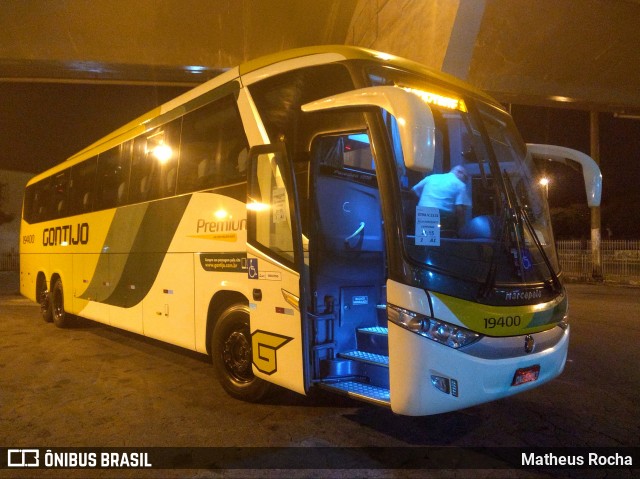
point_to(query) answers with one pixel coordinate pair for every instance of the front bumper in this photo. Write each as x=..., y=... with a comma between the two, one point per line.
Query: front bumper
x=413, y=359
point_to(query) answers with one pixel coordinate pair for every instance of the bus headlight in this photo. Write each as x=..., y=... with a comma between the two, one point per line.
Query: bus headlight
x=440, y=331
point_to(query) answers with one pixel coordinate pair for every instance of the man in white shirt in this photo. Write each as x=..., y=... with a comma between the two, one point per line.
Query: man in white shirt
x=448, y=193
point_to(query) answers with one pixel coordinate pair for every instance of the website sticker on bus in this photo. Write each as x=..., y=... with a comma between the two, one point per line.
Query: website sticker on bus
x=427, y=226
x=224, y=262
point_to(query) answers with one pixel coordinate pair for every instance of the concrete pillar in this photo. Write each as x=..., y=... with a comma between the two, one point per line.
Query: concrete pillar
x=596, y=256
x=462, y=39
x=416, y=29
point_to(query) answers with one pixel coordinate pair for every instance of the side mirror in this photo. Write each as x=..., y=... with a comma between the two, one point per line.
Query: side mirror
x=590, y=170
x=415, y=120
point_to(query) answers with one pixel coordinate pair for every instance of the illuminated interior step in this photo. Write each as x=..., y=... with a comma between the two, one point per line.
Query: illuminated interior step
x=371, y=358
x=379, y=330
x=362, y=391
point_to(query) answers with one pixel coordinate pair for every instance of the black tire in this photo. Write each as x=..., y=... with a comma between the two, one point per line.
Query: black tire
x=232, y=356
x=46, y=311
x=60, y=317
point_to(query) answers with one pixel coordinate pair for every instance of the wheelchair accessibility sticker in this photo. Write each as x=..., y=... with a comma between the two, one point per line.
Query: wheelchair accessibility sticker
x=252, y=268
x=253, y=273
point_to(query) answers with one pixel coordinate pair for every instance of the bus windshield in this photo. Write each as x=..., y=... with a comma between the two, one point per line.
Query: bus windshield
x=480, y=214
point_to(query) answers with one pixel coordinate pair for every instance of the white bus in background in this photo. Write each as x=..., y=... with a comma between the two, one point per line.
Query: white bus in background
x=267, y=218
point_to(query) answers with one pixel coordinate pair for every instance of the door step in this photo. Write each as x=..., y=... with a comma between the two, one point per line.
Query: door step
x=374, y=339
x=361, y=391
x=366, y=357
x=377, y=330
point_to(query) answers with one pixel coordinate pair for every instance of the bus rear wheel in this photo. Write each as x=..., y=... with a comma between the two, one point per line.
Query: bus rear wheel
x=44, y=298
x=60, y=317
x=231, y=354
x=45, y=306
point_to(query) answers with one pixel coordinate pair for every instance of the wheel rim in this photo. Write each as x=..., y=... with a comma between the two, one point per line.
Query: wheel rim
x=44, y=302
x=236, y=355
x=58, y=306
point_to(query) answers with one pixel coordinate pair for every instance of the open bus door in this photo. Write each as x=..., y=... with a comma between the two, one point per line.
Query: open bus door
x=277, y=276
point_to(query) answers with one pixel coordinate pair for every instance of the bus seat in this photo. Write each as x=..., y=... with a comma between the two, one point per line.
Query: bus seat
x=480, y=227
x=344, y=254
x=341, y=214
x=205, y=173
x=86, y=201
x=243, y=156
x=203, y=168
x=144, y=186
x=121, y=192
x=170, y=180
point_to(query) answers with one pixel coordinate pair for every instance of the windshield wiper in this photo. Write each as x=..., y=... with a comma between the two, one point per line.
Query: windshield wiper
x=490, y=280
x=522, y=219
x=503, y=234
x=555, y=281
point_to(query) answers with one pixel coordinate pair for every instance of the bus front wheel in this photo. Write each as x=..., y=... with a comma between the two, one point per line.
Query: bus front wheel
x=231, y=354
x=60, y=317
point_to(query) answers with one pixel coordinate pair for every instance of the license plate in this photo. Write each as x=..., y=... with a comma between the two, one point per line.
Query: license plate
x=526, y=375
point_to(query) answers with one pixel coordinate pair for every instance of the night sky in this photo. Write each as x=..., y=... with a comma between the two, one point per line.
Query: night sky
x=619, y=163
x=41, y=124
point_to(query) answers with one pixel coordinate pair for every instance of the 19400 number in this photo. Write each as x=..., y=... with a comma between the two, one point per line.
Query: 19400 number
x=502, y=322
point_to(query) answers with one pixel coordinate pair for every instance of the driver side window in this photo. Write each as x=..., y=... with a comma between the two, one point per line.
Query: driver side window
x=351, y=151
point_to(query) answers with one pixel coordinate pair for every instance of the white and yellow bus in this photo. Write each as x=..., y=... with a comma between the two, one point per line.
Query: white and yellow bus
x=267, y=218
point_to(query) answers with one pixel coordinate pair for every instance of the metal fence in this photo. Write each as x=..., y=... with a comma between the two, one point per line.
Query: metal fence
x=9, y=261
x=620, y=260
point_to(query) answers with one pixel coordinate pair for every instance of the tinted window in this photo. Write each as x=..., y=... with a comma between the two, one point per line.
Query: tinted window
x=38, y=201
x=27, y=211
x=48, y=198
x=83, y=177
x=213, y=148
x=279, y=99
x=113, y=177
x=345, y=151
x=154, y=164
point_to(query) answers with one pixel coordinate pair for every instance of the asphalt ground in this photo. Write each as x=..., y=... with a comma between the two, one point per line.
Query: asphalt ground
x=96, y=386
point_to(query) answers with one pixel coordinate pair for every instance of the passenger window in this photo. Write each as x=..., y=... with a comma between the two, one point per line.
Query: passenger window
x=59, y=195
x=29, y=203
x=278, y=99
x=154, y=163
x=270, y=221
x=31, y=199
x=38, y=201
x=83, y=176
x=213, y=148
x=113, y=177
